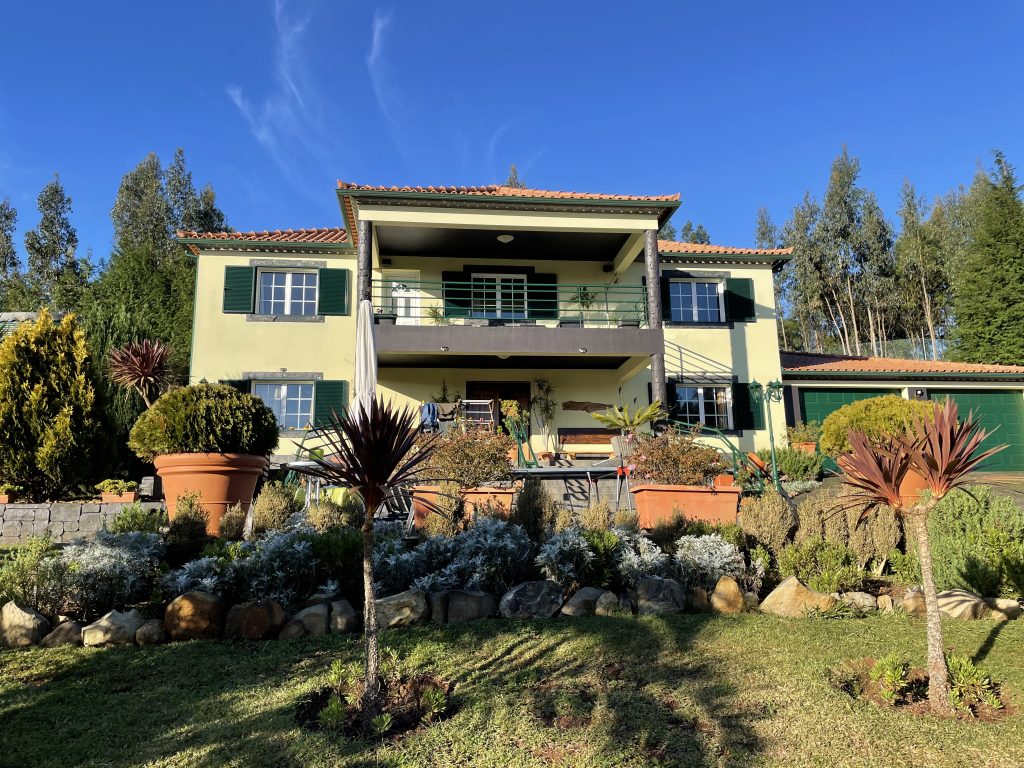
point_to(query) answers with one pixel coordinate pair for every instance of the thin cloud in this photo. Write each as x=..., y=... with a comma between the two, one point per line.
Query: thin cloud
x=378, y=66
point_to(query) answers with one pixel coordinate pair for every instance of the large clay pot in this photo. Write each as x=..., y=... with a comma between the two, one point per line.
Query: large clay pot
x=911, y=488
x=426, y=497
x=658, y=503
x=220, y=479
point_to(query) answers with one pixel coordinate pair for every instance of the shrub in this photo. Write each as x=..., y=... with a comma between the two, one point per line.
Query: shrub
x=112, y=571
x=674, y=458
x=970, y=687
x=871, y=535
x=794, y=464
x=339, y=557
x=135, y=518
x=470, y=457
x=565, y=558
x=46, y=407
x=10, y=488
x=186, y=533
x=890, y=673
x=596, y=517
x=280, y=566
x=826, y=566
x=117, y=487
x=905, y=567
x=666, y=533
x=638, y=557
x=768, y=520
x=205, y=418
x=876, y=416
x=274, y=505
x=804, y=432
x=759, y=569
x=232, y=522
x=533, y=511
x=603, y=571
x=449, y=515
x=703, y=560
x=33, y=574
x=326, y=514
x=627, y=519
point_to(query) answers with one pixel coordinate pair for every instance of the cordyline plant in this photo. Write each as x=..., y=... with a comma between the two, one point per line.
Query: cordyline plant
x=372, y=453
x=141, y=366
x=942, y=451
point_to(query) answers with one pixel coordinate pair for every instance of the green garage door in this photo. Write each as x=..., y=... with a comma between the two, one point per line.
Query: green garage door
x=817, y=403
x=1002, y=408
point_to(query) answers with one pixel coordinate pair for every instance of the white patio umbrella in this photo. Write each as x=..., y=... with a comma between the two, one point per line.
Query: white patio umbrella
x=366, y=357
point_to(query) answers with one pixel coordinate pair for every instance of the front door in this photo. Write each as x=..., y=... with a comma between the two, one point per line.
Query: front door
x=496, y=391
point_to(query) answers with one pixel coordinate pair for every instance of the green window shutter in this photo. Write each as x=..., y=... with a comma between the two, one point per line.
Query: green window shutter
x=239, y=285
x=330, y=396
x=458, y=299
x=542, y=297
x=739, y=300
x=333, y=297
x=666, y=300
x=746, y=414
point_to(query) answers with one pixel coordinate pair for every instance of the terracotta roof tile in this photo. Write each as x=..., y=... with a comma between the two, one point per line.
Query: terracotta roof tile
x=804, y=362
x=672, y=246
x=497, y=190
x=316, y=236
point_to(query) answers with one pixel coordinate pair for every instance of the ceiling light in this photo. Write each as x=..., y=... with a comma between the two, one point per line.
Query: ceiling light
x=506, y=238
x=582, y=349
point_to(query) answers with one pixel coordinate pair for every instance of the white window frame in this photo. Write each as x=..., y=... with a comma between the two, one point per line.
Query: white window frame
x=702, y=412
x=498, y=277
x=289, y=275
x=284, y=384
x=691, y=283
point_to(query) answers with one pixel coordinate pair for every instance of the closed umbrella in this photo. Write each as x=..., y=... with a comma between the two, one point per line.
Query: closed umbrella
x=366, y=357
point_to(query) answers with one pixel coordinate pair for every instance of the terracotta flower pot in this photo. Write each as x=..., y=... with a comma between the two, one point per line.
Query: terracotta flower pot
x=8, y=498
x=220, y=479
x=911, y=488
x=725, y=481
x=805, y=447
x=128, y=497
x=425, y=497
x=657, y=503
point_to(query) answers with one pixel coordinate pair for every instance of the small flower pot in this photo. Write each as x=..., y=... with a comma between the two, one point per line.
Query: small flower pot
x=129, y=497
x=8, y=498
x=805, y=447
x=911, y=488
x=658, y=503
x=385, y=319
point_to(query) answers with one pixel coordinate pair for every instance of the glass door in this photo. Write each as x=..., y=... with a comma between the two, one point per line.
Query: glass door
x=498, y=296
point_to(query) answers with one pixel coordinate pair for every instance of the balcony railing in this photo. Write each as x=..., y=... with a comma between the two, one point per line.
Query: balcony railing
x=508, y=300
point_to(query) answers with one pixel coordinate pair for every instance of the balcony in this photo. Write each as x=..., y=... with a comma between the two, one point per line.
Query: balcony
x=497, y=320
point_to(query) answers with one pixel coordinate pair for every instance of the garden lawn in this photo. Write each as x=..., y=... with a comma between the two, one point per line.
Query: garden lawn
x=686, y=690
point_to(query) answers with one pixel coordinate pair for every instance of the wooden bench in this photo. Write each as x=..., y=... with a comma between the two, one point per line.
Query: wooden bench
x=586, y=441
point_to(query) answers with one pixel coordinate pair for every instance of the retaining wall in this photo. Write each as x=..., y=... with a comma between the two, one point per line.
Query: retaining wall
x=65, y=520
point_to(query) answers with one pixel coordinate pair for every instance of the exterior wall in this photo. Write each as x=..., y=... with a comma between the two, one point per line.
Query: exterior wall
x=64, y=520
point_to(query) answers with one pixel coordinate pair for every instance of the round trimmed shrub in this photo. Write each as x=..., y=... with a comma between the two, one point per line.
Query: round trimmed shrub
x=205, y=418
x=876, y=416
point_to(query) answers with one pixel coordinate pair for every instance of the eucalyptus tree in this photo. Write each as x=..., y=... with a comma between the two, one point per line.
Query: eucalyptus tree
x=55, y=276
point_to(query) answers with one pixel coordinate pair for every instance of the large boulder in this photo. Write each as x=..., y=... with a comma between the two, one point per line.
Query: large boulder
x=1004, y=608
x=68, y=633
x=466, y=605
x=727, y=597
x=531, y=600
x=961, y=604
x=750, y=600
x=254, y=620
x=656, y=596
x=885, y=604
x=152, y=632
x=860, y=600
x=698, y=600
x=194, y=615
x=292, y=630
x=584, y=602
x=608, y=605
x=114, y=628
x=913, y=602
x=20, y=626
x=402, y=609
x=438, y=605
x=343, y=617
x=791, y=598
x=314, y=619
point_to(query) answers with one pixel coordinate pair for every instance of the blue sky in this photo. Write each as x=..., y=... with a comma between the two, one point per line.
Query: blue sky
x=733, y=104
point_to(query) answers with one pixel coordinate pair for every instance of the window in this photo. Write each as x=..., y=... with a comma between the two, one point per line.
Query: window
x=291, y=402
x=499, y=296
x=287, y=293
x=708, y=405
x=691, y=301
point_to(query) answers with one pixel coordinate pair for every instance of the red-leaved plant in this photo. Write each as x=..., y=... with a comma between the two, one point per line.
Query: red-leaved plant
x=943, y=451
x=142, y=366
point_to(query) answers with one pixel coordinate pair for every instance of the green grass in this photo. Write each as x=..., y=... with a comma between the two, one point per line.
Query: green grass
x=684, y=691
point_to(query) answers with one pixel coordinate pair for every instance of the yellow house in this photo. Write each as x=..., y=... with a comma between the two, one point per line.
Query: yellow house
x=492, y=293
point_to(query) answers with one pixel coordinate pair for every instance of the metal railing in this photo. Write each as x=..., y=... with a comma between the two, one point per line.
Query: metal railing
x=508, y=300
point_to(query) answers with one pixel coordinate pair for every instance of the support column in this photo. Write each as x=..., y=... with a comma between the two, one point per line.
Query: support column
x=364, y=262
x=658, y=388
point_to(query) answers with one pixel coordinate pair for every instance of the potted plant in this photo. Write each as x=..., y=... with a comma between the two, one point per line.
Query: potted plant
x=545, y=407
x=385, y=318
x=209, y=439
x=628, y=423
x=9, y=493
x=118, y=491
x=474, y=459
x=675, y=473
x=804, y=436
x=633, y=317
x=447, y=402
x=583, y=298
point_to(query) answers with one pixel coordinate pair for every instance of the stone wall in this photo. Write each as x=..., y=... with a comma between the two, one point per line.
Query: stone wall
x=65, y=520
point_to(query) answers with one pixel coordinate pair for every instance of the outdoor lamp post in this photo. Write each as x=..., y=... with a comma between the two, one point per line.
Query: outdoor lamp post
x=772, y=392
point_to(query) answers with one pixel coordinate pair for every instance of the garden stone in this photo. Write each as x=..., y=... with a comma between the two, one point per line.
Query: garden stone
x=314, y=619
x=68, y=633
x=114, y=628
x=194, y=615
x=466, y=605
x=607, y=605
x=438, y=602
x=698, y=600
x=656, y=596
x=913, y=602
x=583, y=603
x=254, y=620
x=885, y=604
x=750, y=600
x=152, y=632
x=402, y=609
x=961, y=604
x=531, y=600
x=292, y=630
x=791, y=598
x=343, y=617
x=1004, y=608
x=21, y=626
x=727, y=597
x=861, y=600
x=65, y=512
x=321, y=598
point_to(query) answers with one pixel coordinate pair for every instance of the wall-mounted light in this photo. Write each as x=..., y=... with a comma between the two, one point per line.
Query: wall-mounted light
x=582, y=349
x=506, y=239
x=444, y=349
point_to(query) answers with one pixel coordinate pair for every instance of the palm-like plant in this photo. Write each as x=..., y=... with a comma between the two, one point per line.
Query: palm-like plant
x=142, y=366
x=943, y=451
x=372, y=453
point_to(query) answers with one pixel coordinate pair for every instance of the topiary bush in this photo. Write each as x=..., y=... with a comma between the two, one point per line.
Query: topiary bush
x=827, y=566
x=232, y=522
x=877, y=416
x=674, y=458
x=533, y=510
x=46, y=407
x=767, y=520
x=794, y=464
x=205, y=418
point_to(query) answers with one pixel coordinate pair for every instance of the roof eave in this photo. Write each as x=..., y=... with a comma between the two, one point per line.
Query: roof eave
x=798, y=374
x=196, y=244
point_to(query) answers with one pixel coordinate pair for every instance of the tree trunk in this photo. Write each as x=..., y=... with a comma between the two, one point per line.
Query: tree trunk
x=371, y=678
x=853, y=314
x=938, y=672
